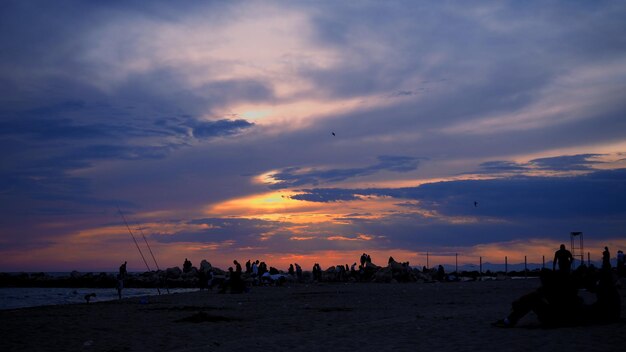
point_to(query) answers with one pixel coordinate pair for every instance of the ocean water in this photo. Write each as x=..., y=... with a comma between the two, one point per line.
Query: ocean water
x=21, y=297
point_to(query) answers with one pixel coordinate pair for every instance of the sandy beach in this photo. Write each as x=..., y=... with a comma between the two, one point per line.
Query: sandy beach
x=314, y=317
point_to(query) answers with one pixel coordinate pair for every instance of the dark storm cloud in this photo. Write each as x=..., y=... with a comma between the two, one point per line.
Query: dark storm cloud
x=580, y=162
x=566, y=162
x=295, y=176
x=601, y=193
x=219, y=128
x=222, y=229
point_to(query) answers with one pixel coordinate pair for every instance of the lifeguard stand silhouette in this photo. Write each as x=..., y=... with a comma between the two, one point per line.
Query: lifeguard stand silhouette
x=577, y=247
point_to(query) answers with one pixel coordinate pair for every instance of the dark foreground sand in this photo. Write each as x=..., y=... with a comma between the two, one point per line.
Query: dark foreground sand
x=316, y=317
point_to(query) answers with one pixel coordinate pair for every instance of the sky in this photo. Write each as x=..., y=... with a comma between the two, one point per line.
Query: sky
x=309, y=131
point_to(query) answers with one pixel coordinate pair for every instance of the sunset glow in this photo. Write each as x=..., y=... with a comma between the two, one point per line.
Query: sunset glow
x=309, y=132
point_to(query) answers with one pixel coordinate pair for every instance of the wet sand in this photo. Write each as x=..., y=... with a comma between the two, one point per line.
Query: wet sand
x=315, y=317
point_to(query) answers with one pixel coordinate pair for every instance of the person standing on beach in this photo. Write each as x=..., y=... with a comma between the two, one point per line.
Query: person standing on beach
x=123, y=271
x=606, y=259
x=620, y=263
x=120, y=280
x=564, y=258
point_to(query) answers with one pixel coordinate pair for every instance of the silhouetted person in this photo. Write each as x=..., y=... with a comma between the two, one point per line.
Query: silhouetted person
x=291, y=270
x=298, y=272
x=120, y=286
x=262, y=268
x=606, y=259
x=556, y=303
x=564, y=258
x=608, y=307
x=248, y=267
x=620, y=263
x=317, y=272
x=209, y=280
x=186, y=266
x=123, y=271
x=237, y=267
x=255, y=269
x=441, y=273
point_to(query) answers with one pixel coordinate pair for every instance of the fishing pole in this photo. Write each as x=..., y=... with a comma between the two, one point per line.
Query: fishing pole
x=153, y=258
x=133, y=236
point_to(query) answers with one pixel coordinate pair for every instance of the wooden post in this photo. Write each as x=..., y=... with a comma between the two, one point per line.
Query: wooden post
x=456, y=263
x=481, y=267
x=506, y=265
x=588, y=259
x=427, y=264
x=543, y=262
x=525, y=268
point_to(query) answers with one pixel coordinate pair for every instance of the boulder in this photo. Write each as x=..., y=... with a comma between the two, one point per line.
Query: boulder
x=383, y=275
x=173, y=273
x=205, y=266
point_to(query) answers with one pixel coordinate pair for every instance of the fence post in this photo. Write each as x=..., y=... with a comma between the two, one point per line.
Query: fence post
x=506, y=265
x=525, y=268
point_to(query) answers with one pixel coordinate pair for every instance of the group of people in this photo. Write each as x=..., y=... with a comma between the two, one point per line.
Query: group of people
x=556, y=301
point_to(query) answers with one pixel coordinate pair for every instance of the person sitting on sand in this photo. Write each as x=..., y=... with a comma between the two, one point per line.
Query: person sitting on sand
x=557, y=303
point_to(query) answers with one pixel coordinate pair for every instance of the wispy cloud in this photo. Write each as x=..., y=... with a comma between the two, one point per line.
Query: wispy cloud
x=296, y=176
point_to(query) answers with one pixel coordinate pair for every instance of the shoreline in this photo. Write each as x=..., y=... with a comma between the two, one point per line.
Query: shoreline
x=305, y=317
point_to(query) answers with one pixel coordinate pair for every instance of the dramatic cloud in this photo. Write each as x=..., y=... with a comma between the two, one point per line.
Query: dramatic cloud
x=295, y=176
x=306, y=129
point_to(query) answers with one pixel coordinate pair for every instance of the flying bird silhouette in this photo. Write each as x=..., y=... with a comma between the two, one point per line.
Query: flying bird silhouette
x=475, y=203
x=333, y=133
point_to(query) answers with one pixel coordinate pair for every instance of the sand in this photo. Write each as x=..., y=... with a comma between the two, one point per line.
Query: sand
x=315, y=317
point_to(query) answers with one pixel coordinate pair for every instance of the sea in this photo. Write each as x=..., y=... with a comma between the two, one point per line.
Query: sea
x=23, y=297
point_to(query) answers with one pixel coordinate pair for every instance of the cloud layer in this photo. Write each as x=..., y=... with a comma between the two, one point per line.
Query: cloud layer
x=307, y=128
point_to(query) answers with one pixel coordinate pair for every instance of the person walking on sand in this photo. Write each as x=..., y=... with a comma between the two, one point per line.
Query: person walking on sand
x=564, y=258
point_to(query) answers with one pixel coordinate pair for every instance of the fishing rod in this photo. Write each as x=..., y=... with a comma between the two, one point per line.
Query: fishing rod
x=153, y=258
x=136, y=244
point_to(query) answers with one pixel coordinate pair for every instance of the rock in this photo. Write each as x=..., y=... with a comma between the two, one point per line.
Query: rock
x=205, y=266
x=383, y=275
x=173, y=273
